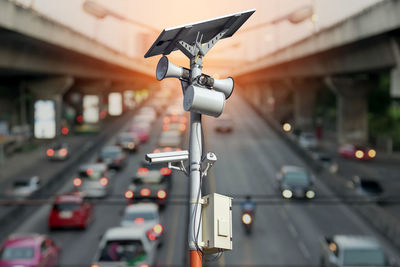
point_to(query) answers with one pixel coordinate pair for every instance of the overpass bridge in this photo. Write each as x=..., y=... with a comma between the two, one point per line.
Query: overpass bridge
x=43, y=59
x=345, y=58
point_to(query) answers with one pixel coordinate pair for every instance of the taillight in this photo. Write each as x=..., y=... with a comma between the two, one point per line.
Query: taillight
x=165, y=127
x=157, y=150
x=182, y=127
x=79, y=118
x=139, y=220
x=104, y=181
x=77, y=182
x=183, y=120
x=158, y=229
x=144, y=265
x=145, y=192
x=64, y=131
x=128, y=194
x=63, y=152
x=50, y=152
x=143, y=171
x=94, y=265
x=165, y=171
x=89, y=171
x=166, y=120
x=161, y=194
x=167, y=149
x=151, y=235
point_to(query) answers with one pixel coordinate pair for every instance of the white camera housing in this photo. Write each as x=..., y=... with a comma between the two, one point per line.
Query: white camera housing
x=165, y=157
x=204, y=101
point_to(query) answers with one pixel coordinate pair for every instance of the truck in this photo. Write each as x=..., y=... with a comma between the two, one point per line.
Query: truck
x=352, y=250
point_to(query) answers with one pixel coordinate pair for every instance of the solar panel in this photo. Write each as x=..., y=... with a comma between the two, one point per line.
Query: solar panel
x=166, y=41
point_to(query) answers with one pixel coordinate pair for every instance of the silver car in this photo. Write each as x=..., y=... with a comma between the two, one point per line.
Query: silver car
x=93, y=180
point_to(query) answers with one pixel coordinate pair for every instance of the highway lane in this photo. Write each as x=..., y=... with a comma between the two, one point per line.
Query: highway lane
x=79, y=247
x=285, y=234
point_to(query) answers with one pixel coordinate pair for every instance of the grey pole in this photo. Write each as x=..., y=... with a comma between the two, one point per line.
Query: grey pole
x=195, y=153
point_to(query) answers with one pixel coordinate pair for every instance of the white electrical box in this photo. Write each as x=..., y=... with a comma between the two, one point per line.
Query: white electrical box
x=217, y=223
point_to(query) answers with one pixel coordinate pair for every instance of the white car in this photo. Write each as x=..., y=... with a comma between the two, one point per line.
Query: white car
x=24, y=187
x=125, y=246
x=170, y=138
x=144, y=216
x=308, y=140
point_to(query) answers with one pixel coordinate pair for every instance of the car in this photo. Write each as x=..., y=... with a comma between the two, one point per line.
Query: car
x=308, y=140
x=174, y=126
x=34, y=250
x=326, y=161
x=142, y=130
x=93, y=180
x=352, y=250
x=175, y=119
x=125, y=246
x=148, y=111
x=148, y=185
x=144, y=118
x=70, y=210
x=57, y=151
x=24, y=187
x=128, y=141
x=175, y=110
x=113, y=156
x=145, y=216
x=368, y=188
x=295, y=182
x=166, y=149
x=356, y=152
x=170, y=139
x=224, y=124
x=155, y=169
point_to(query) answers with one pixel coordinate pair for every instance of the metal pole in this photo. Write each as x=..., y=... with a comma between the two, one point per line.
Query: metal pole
x=195, y=153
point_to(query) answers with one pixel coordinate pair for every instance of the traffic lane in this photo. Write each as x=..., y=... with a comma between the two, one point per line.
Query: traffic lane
x=45, y=168
x=79, y=246
x=308, y=222
x=242, y=169
x=386, y=174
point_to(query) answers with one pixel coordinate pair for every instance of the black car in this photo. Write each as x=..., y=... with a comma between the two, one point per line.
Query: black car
x=113, y=156
x=295, y=182
x=148, y=186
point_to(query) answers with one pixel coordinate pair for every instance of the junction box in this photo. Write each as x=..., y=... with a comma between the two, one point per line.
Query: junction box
x=217, y=223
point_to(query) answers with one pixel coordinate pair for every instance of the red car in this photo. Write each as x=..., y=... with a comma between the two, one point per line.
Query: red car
x=29, y=250
x=70, y=210
x=357, y=152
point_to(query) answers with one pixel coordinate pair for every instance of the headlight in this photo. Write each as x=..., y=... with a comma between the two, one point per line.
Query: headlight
x=246, y=218
x=310, y=194
x=287, y=193
x=131, y=145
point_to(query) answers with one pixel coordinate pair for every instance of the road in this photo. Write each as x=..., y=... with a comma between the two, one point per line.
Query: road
x=285, y=233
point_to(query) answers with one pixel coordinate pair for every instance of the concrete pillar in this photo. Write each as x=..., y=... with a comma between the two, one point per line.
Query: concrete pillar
x=281, y=99
x=352, y=108
x=305, y=94
x=51, y=89
x=395, y=73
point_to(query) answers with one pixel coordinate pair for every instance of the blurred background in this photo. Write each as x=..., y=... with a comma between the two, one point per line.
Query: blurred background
x=309, y=140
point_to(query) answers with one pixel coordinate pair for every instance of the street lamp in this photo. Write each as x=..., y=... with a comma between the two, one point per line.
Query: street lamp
x=99, y=11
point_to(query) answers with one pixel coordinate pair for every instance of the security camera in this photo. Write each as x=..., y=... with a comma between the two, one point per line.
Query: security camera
x=165, y=157
x=165, y=69
x=224, y=86
x=204, y=101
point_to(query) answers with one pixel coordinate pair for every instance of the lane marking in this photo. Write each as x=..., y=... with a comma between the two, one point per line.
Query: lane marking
x=292, y=230
x=304, y=250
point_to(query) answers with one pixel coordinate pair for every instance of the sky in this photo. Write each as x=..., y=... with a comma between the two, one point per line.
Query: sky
x=134, y=40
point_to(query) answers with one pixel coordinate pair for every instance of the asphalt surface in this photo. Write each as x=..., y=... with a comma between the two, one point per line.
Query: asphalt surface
x=285, y=233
